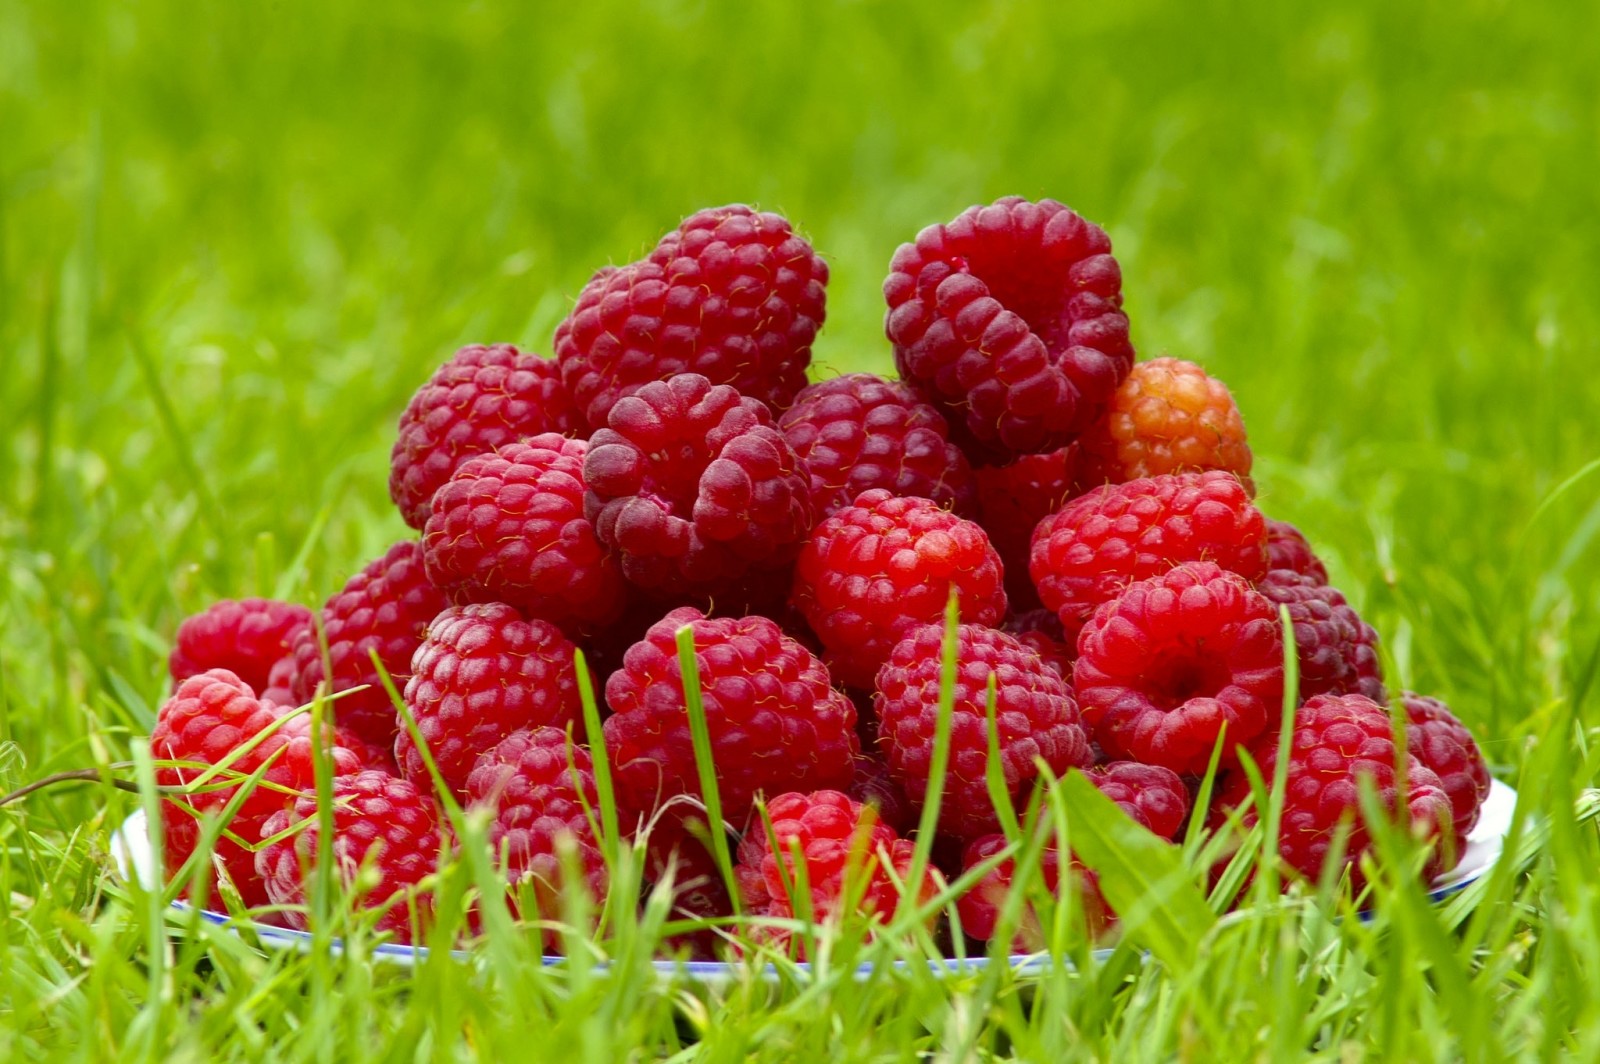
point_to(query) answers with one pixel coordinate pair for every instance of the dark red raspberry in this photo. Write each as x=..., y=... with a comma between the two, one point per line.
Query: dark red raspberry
x=873, y=570
x=1337, y=739
x=1099, y=542
x=840, y=848
x=536, y=782
x=732, y=294
x=873, y=784
x=248, y=637
x=483, y=672
x=677, y=845
x=208, y=718
x=1040, y=631
x=1153, y=797
x=1013, y=499
x=694, y=488
x=1034, y=712
x=1167, y=416
x=510, y=527
x=1443, y=744
x=483, y=398
x=1010, y=319
x=1338, y=651
x=1163, y=667
x=385, y=607
x=380, y=822
x=859, y=431
x=775, y=721
x=1288, y=549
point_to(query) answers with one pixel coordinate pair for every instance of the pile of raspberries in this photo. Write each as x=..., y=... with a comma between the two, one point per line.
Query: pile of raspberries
x=672, y=469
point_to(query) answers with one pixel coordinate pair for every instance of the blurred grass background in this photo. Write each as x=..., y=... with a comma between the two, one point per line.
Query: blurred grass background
x=235, y=237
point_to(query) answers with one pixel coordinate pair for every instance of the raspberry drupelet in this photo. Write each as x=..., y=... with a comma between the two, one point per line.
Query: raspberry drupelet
x=1040, y=631
x=775, y=721
x=1442, y=743
x=694, y=488
x=1338, y=739
x=1167, y=416
x=1287, y=548
x=1013, y=499
x=1164, y=667
x=510, y=527
x=732, y=294
x=877, y=568
x=206, y=721
x=484, y=397
x=381, y=823
x=248, y=637
x=1099, y=542
x=1035, y=714
x=1009, y=318
x=1337, y=650
x=859, y=431
x=483, y=672
x=385, y=607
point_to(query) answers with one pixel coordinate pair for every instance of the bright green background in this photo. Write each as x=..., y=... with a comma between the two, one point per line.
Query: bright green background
x=1379, y=224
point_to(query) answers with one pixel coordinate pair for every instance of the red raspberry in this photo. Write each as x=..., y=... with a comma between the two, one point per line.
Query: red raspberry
x=385, y=607
x=775, y=721
x=380, y=822
x=1010, y=319
x=1167, y=416
x=537, y=782
x=1167, y=664
x=859, y=431
x=875, y=569
x=1034, y=711
x=1153, y=797
x=1338, y=651
x=1444, y=745
x=672, y=846
x=694, y=488
x=1288, y=549
x=1040, y=631
x=731, y=294
x=873, y=784
x=836, y=843
x=1337, y=739
x=280, y=680
x=1099, y=542
x=248, y=637
x=482, y=673
x=205, y=721
x=1013, y=499
x=483, y=398
x=509, y=527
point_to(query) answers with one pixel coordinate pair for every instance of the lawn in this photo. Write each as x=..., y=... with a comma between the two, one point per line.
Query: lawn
x=235, y=238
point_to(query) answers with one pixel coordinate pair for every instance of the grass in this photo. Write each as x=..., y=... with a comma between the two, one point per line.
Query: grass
x=233, y=240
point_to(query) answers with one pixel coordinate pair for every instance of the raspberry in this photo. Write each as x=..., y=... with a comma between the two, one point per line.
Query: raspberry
x=873, y=784
x=1167, y=664
x=385, y=607
x=280, y=680
x=205, y=721
x=536, y=782
x=482, y=673
x=510, y=527
x=1337, y=739
x=875, y=569
x=1009, y=318
x=1013, y=499
x=1444, y=745
x=860, y=431
x=1101, y=541
x=1338, y=651
x=1040, y=631
x=1288, y=549
x=775, y=722
x=699, y=892
x=837, y=843
x=693, y=487
x=380, y=822
x=1034, y=712
x=483, y=398
x=731, y=294
x=1167, y=416
x=247, y=637
x=1153, y=797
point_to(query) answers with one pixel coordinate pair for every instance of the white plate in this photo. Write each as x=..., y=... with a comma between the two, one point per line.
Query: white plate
x=130, y=846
